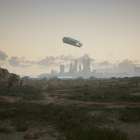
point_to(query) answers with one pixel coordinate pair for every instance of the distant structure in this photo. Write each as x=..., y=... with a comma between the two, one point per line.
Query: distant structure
x=55, y=71
x=71, y=70
x=75, y=67
x=86, y=66
x=136, y=71
x=79, y=69
x=52, y=72
x=120, y=70
x=94, y=72
x=62, y=69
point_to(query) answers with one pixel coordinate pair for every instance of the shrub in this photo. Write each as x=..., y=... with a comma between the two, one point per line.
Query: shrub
x=73, y=97
x=86, y=85
x=59, y=107
x=80, y=95
x=93, y=133
x=68, y=115
x=129, y=114
x=97, y=95
x=29, y=110
x=77, y=90
x=21, y=124
x=128, y=117
x=5, y=130
x=86, y=92
x=125, y=95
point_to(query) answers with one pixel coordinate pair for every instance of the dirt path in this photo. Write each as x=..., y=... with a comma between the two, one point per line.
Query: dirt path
x=9, y=99
x=48, y=99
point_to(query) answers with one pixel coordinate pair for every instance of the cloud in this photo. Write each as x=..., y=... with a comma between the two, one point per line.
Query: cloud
x=104, y=63
x=14, y=62
x=136, y=60
x=29, y=62
x=3, y=56
x=25, y=66
x=49, y=61
x=19, y=62
x=127, y=63
x=62, y=59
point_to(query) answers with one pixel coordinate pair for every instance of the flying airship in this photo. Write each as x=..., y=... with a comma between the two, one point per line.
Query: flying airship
x=73, y=42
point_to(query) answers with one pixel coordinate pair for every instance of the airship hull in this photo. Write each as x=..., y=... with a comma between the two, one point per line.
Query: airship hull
x=71, y=41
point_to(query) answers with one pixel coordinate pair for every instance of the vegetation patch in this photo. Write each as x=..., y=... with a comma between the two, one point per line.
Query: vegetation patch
x=130, y=114
x=93, y=133
x=5, y=130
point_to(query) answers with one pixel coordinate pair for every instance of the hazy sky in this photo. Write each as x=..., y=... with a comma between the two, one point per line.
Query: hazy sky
x=31, y=33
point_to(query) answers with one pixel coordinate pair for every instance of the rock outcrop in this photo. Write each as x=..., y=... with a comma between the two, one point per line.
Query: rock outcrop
x=10, y=79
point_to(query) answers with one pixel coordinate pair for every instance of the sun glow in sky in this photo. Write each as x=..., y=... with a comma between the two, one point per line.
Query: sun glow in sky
x=31, y=33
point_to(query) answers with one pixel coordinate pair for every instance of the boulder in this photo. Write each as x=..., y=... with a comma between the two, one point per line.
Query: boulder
x=28, y=136
x=11, y=80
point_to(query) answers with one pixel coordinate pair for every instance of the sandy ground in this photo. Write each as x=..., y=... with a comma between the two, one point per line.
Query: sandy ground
x=10, y=99
x=136, y=94
x=132, y=129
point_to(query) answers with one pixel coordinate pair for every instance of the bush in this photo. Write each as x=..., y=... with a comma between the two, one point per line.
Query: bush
x=93, y=133
x=128, y=117
x=5, y=130
x=86, y=92
x=59, y=107
x=125, y=95
x=68, y=115
x=97, y=95
x=77, y=90
x=73, y=97
x=129, y=114
x=80, y=95
x=86, y=85
x=29, y=110
x=22, y=124
x=68, y=124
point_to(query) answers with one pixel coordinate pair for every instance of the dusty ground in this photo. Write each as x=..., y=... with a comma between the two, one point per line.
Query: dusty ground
x=132, y=129
x=136, y=94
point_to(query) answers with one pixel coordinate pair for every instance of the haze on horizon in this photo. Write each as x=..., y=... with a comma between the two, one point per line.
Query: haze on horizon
x=31, y=34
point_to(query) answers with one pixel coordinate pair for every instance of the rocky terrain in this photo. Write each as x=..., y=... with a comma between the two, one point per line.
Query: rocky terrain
x=43, y=109
x=10, y=79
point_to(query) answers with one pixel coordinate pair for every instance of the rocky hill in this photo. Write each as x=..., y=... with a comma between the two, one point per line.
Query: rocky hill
x=10, y=79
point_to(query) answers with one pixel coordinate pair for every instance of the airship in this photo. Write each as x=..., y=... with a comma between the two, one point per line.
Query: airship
x=73, y=42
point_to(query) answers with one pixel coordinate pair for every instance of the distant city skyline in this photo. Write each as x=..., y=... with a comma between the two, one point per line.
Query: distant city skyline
x=118, y=71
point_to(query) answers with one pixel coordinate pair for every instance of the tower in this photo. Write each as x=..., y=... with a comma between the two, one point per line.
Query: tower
x=61, y=69
x=75, y=67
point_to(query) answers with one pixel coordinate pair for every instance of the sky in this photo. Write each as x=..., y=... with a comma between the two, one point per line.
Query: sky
x=31, y=33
